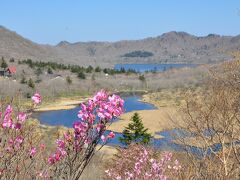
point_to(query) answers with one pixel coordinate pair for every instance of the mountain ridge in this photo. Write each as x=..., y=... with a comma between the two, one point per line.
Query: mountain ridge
x=170, y=47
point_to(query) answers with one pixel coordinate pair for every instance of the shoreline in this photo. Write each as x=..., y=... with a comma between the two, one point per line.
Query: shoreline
x=61, y=104
x=65, y=103
x=156, y=120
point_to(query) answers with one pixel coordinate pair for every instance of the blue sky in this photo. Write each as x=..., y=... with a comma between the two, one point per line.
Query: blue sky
x=50, y=21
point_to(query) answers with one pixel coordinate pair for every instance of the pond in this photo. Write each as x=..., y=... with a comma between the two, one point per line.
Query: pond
x=68, y=117
x=151, y=67
x=132, y=103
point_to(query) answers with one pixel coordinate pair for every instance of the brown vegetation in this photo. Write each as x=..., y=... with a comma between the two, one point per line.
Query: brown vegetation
x=213, y=118
x=172, y=47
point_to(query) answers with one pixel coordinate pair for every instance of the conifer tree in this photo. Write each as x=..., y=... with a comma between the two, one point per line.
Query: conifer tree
x=69, y=80
x=81, y=75
x=23, y=80
x=135, y=132
x=49, y=71
x=31, y=83
x=4, y=64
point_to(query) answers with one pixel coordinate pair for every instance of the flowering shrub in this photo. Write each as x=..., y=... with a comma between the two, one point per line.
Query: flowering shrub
x=19, y=150
x=139, y=162
x=23, y=156
x=76, y=148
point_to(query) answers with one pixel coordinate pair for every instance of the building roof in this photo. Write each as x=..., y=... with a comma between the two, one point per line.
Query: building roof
x=12, y=69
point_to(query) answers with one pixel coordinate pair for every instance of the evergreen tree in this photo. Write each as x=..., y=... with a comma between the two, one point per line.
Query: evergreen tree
x=4, y=64
x=23, y=80
x=98, y=69
x=81, y=75
x=31, y=83
x=69, y=80
x=142, y=78
x=122, y=70
x=49, y=71
x=89, y=69
x=38, y=71
x=105, y=70
x=135, y=132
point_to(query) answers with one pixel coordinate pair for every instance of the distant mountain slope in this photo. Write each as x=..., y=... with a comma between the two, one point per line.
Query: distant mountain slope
x=171, y=47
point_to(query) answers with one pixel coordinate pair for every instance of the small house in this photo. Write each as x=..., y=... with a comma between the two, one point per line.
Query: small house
x=9, y=71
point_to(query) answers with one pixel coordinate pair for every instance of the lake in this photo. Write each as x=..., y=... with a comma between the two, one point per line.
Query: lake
x=68, y=117
x=151, y=67
x=132, y=103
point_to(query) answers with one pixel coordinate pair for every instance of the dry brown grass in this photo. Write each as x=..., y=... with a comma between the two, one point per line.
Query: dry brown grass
x=62, y=103
x=154, y=120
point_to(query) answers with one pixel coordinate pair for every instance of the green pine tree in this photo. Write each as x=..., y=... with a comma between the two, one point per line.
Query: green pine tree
x=50, y=71
x=23, y=80
x=81, y=75
x=31, y=83
x=135, y=132
x=4, y=64
x=38, y=71
x=69, y=80
x=98, y=69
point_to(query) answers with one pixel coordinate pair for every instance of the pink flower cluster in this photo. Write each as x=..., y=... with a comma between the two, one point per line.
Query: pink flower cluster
x=11, y=120
x=8, y=115
x=89, y=129
x=59, y=154
x=36, y=98
x=111, y=135
x=141, y=165
x=8, y=118
x=14, y=144
x=107, y=107
x=32, y=151
x=96, y=113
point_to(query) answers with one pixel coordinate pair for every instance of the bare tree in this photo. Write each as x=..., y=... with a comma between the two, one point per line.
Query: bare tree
x=213, y=121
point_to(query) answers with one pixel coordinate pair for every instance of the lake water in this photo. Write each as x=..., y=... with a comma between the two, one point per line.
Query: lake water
x=151, y=67
x=68, y=117
x=132, y=103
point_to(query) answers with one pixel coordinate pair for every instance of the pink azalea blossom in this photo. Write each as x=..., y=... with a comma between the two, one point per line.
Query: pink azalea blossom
x=60, y=143
x=7, y=119
x=57, y=156
x=143, y=166
x=103, y=138
x=17, y=126
x=7, y=122
x=42, y=147
x=22, y=116
x=67, y=136
x=8, y=110
x=99, y=127
x=111, y=135
x=79, y=127
x=36, y=98
x=93, y=117
x=19, y=140
x=101, y=95
x=118, y=178
x=51, y=160
x=32, y=151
